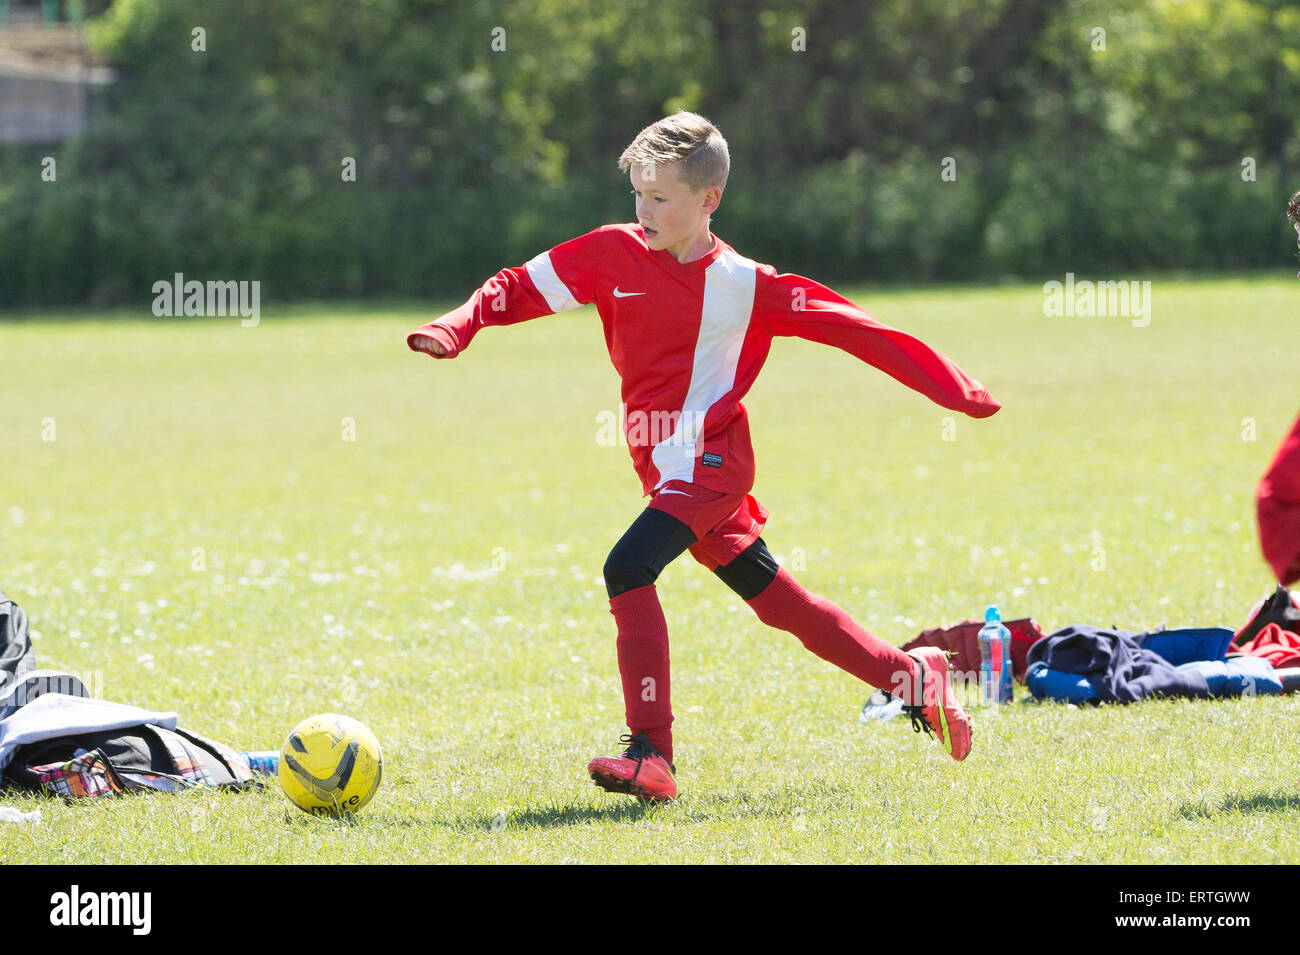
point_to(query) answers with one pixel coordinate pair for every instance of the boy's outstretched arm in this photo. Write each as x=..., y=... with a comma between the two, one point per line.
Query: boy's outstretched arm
x=555, y=281
x=797, y=306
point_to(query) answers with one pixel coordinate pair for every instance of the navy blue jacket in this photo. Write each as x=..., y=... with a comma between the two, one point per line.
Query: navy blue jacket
x=1118, y=668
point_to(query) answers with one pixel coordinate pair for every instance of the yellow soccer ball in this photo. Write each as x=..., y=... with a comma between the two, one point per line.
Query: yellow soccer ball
x=330, y=765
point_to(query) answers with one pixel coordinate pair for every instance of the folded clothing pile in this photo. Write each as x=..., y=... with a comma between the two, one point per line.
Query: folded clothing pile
x=1086, y=664
x=1082, y=664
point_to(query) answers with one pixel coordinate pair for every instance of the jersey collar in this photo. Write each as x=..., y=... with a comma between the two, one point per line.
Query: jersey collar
x=669, y=260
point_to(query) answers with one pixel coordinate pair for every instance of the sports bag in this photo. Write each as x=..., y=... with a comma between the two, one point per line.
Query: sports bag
x=963, y=639
x=1279, y=607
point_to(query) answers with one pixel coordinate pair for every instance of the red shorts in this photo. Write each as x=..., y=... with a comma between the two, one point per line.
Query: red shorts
x=723, y=524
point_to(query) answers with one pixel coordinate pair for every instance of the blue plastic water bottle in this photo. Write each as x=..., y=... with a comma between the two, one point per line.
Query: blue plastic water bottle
x=264, y=762
x=986, y=635
x=995, y=659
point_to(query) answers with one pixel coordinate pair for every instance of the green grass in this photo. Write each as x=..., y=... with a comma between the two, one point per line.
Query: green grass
x=438, y=578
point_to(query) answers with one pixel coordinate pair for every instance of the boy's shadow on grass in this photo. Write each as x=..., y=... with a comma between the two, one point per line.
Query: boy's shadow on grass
x=717, y=805
x=550, y=817
x=1244, y=804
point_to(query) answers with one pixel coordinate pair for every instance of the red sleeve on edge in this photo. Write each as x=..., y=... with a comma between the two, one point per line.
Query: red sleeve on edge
x=555, y=281
x=797, y=306
x=1277, y=504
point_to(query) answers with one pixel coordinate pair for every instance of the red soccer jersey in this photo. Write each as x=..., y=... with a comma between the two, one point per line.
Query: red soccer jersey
x=689, y=339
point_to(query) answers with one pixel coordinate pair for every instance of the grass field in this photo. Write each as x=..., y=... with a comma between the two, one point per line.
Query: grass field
x=201, y=535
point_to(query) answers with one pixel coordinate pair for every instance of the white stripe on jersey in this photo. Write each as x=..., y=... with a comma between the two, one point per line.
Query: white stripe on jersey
x=728, y=306
x=556, y=293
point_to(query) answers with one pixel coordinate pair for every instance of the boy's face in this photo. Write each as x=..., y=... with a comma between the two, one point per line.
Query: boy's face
x=672, y=217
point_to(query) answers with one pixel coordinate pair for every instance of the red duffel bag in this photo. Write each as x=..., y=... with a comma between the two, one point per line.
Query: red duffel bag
x=963, y=638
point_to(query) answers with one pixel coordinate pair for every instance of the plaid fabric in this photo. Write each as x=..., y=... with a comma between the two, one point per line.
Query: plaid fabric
x=235, y=760
x=191, y=767
x=86, y=774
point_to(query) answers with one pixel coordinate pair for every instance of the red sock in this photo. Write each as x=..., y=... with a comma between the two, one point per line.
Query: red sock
x=826, y=630
x=643, y=665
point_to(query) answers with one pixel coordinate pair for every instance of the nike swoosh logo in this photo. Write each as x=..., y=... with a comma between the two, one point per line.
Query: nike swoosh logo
x=670, y=491
x=618, y=294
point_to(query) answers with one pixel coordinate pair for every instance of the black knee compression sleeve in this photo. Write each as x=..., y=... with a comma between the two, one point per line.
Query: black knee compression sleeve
x=654, y=541
x=750, y=573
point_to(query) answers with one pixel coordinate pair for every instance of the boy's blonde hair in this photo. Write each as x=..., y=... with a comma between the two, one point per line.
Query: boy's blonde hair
x=687, y=138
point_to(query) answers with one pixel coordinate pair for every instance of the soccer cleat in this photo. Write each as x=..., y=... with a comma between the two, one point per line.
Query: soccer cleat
x=938, y=712
x=641, y=771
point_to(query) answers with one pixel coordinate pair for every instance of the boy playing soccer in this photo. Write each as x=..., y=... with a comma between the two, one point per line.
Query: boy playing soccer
x=688, y=323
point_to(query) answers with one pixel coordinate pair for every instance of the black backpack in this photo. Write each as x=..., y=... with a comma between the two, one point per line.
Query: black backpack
x=16, y=655
x=1279, y=608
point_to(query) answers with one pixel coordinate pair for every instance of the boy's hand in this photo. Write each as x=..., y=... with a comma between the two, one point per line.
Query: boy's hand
x=425, y=343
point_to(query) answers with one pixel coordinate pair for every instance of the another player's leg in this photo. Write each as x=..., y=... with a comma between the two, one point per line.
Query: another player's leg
x=920, y=677
x=645, y=768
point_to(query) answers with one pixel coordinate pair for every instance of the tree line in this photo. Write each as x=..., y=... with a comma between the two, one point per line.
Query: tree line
x=413, y=147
